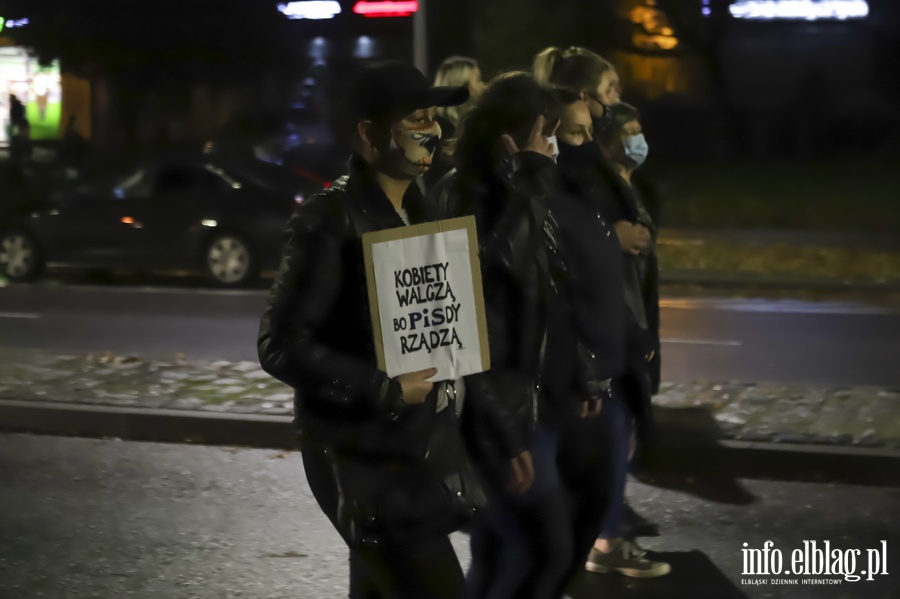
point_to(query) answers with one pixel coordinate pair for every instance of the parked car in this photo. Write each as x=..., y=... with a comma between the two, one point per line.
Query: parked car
x=311, y=153
x=222, y=216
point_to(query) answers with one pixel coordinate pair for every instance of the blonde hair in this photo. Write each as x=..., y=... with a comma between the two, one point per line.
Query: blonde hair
x=575, y=69
x=455, y=71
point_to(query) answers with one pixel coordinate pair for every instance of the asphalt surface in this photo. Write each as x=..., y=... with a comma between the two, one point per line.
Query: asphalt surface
x=110, y=519
x=741, y=340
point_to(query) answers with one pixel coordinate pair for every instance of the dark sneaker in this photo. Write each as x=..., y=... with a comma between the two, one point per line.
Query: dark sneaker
x=627, y=559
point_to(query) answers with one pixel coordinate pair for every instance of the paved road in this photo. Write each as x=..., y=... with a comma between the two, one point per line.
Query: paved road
x=743, y=340
x=86, y=518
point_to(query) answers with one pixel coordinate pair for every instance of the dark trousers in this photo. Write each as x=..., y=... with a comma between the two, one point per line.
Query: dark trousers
x=410, y=570
x=521, y=548
x=593, y=468
x=615, y=421
x=423, y=569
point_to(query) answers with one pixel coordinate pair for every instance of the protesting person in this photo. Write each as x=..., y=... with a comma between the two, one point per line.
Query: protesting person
x=598, y=174
x=595, y=271
x=625, y=148
x=584, y=72
x=454, y=71
x=506, y=177
x=457, y=71
x=371, y=445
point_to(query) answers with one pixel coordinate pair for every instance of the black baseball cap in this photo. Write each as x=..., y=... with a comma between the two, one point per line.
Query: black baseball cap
x=388, y=90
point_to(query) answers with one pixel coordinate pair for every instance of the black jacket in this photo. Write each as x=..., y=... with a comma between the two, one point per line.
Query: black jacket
x=595, y=270
x=514, y=232
x=641, y=276
x=586, y=170
x=316, y=334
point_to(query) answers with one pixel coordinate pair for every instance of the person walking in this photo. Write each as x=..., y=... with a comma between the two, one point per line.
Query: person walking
x=585, y=73
x=599, y=452
x=629, y=424
x=454, y=71
x=374, y=448
x=16, y=113
x=506, y=176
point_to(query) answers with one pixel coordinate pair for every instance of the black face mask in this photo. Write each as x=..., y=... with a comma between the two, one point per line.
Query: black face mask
x=587, y=154
x=603, y=124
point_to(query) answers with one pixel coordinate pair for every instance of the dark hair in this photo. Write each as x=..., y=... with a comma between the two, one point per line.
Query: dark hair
x=620, y=115
x=565, y=97
x=510, y=105
x=576, y=69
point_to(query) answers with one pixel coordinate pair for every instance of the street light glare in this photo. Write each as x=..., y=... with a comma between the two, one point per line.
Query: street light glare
x=403, y=8
x=799, y=9
x=311, y=9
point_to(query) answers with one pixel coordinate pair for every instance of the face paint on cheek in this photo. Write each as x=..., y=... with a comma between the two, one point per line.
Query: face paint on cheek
x=428, y=137
x=411, y=150
x=431, y=143
x=419, y=144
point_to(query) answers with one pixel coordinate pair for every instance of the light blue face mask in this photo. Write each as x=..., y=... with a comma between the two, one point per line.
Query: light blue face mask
x=636, y=148
x=554, y=144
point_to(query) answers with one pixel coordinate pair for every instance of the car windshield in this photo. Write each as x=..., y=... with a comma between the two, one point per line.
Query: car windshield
x=270, y=177
x=108, y=181
x=124, y=186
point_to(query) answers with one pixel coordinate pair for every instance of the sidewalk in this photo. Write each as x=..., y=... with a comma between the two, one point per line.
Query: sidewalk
x=790, y=237
x=788, y=258
x=240, y=392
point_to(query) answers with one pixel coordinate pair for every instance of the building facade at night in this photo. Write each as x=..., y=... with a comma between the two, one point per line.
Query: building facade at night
x=794, y=77
x=48, y=94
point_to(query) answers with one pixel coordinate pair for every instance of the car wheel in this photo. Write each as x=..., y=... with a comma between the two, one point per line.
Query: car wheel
x=20, y=256
x=229, y=261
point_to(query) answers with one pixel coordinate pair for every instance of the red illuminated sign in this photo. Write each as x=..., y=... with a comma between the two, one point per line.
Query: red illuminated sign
x=402, y=8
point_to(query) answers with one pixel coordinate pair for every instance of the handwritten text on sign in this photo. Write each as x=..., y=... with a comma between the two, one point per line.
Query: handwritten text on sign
x=426, y=285
x=429, y=313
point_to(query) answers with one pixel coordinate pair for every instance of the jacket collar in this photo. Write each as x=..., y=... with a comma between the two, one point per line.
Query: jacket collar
x=373, y=201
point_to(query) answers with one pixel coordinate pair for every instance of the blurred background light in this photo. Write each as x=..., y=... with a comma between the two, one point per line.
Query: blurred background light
x=311, y=9
x=365, y=48
x=318, y=48
x=810, y=10
x=402, y=8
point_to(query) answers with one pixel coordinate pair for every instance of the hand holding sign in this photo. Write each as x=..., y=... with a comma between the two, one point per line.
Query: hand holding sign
x=427, y=303
x=416, y=386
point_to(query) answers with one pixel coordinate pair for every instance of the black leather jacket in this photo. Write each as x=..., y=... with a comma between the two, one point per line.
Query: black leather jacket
x=316, y=334
x=594, y=271
x=511, y=212
x=596, y=266
x=586, y=171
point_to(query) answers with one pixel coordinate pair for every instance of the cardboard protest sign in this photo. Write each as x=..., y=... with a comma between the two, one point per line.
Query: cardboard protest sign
x=426, y=298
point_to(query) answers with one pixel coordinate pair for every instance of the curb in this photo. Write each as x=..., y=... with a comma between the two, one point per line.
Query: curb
x=727, y=279
x=681, y=445
x=777, y=461
x=144, y=424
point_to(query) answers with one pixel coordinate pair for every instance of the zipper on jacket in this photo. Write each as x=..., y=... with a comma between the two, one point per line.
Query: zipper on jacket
x=536, y=395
